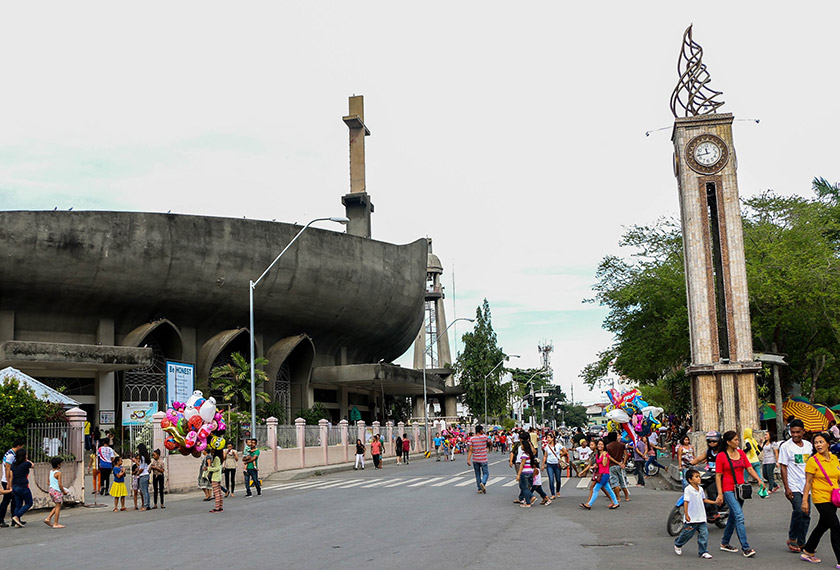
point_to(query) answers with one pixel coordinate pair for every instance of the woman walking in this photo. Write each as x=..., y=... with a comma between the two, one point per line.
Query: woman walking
x=20, y=486
x=729, y=472
x=360, y=455
x=685, y=455
x=214, y=471
x=157, y=468
x=231, y=459
x=769, y=459
x=398, y=449
x=204, y=477
x=603, y=464
x=143, y=475
x=551, y=459
x=525, y=476
x=822, y=475
x=406, y=448
x=752, y=448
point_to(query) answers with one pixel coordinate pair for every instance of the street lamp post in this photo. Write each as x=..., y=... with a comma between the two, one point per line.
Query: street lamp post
x=426, y=350
x=502, y=361
x=253, y=285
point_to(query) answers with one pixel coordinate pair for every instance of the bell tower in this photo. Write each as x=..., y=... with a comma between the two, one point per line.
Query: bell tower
x=722, y=370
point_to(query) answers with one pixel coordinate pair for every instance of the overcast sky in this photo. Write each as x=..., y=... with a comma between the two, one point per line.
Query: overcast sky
x=513, y=134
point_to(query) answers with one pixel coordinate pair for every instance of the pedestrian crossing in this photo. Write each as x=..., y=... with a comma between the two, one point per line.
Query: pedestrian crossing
x=407, y=482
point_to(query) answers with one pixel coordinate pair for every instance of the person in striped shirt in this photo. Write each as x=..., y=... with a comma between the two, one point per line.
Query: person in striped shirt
x=477, y=454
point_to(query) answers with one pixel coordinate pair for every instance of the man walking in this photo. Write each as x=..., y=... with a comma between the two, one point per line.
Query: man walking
x=793, y=455
x=251, y=458
x=618, y=459
x=477, y=453
x=5, y=478
x=437, y=441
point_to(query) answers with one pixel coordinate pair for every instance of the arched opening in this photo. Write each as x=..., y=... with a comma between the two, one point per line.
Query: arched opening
x=290, y=368
x=149, y=384
x=217, y=352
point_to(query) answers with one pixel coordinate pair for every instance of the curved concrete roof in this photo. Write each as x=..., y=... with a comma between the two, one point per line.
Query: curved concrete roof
x=343, y=291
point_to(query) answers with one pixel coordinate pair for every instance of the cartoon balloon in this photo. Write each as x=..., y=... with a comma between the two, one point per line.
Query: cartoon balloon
x=195, y=422
x=190, y=411
x=196, y=454
x=204, y=431
x=208, y=410
x=653, y=410
x=172, y=415
x=190, y=439
x=201, y=445
x=184, y=450
x=217, y=442
x=197, y=395
x=183, y=426
x=173, y=432
x=618, y=415
x=222, y=427
x=170, y=444
x=218, y=417
x=165, y=423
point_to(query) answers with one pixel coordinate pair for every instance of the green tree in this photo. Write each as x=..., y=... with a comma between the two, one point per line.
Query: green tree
x=792, y=249
x=19, y=407
x=480, y=356
x=233, y=380
x=573, y=415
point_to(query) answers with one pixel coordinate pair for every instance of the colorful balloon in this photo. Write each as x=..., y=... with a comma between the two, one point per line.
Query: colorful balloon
x=183, y=426
x=204, y=431
x=217, y=442
x=208, y=410
x=173, y=432
x=201, y=445
x=190, y=439
x=195, y=423
x=197, y=395
x=165, y=423
x=170, y=444
x=184, y=450
x=618, y=415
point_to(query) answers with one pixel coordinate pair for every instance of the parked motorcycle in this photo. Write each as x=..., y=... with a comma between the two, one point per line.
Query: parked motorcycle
x=707, y=482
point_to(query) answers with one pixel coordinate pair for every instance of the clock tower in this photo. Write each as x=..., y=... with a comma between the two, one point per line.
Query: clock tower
x=722, y=370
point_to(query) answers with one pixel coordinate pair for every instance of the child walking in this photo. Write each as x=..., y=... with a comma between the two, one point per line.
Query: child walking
x=360, y=455
x=214, y=471
x=695, y=516
x=57, y=492
x=135, y=479
x=118, y=490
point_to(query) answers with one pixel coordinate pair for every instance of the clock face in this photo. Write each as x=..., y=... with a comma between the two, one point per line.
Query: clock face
x=706, y=154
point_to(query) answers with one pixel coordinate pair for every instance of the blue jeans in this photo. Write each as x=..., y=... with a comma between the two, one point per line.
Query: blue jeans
x=482, y=472
x=23, y=499
x=799, y=521
x=603, y=483
x=702, y=536
x=526, y=481
x=769, y=472
x=143, y=486
x=735, y=522
x=651, y=460
x=253, y=475
x=553, y=472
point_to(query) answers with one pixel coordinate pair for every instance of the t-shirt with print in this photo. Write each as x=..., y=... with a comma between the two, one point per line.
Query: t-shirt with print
x=8, y=459
x=478, y=444
x=795, y=457
x=820, y=487
x=695, y=509
x=106, y=457
x=768, y=455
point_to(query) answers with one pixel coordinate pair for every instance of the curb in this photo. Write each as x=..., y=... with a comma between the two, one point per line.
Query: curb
x=306, y=472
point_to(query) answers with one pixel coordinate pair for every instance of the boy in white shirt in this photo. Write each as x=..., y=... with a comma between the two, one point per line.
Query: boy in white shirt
x=695, y=516
x=793, y=455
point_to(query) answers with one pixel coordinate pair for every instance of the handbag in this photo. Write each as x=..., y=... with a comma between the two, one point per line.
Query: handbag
x=835, y=493
x=743, y=491
x=563, y=464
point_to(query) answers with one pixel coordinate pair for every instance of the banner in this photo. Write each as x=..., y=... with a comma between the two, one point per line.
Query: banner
x=138, y=413
x=180, y=382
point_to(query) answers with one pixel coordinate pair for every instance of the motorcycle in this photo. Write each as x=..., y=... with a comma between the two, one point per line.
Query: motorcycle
x=707, y=482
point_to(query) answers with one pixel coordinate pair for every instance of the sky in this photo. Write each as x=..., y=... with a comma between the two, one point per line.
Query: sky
x=512, y=134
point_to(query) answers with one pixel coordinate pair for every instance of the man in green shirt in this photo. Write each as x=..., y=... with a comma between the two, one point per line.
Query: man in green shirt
x=250, y=458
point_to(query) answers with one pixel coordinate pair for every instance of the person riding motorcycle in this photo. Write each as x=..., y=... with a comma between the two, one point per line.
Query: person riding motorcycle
x=713, y=447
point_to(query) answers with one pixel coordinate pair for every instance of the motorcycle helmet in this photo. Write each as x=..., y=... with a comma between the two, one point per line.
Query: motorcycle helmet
x=712, y=436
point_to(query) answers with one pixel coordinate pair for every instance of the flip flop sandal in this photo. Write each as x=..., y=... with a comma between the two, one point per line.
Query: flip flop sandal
x=613, y=507
x=585, y=506
x=810, y=558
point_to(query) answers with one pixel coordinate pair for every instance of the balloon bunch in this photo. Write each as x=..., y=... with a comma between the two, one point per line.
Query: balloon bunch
x=194, y=425
x=629, y=413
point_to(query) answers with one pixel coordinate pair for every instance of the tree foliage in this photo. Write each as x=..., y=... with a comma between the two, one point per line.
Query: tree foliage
x=481, y=354
x=792, y=249
x=233, y=380
x=19, y=407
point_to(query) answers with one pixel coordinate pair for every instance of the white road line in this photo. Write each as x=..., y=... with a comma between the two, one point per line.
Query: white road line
x=465, y=483
x=511, y=483
x=447, y=482
x=375, y=483
x=294, y=485
x=313, y=485
x=402, y=482
x=425, y=481
x=353, y=484
x=563, y=481
x=494, y=480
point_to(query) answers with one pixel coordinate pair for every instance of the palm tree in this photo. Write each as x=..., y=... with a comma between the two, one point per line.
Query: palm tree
x=233, y=380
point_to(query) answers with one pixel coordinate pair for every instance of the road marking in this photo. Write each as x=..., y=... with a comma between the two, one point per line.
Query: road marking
x=402, y=482
x=316, y=484
x=425, y=481
x=511, y=483
x=353, y=484
x=465, y=483
x=494, y=480
x=375, y=483
x=447, y=482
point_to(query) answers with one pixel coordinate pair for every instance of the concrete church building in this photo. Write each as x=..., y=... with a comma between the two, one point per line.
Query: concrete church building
x=97, y=302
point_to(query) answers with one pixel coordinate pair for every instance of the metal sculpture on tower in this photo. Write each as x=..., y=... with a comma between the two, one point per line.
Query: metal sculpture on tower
x=692, y=95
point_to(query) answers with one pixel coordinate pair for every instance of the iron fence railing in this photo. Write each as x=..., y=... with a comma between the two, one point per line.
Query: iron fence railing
x=312, y=436
x=59, y=439
x=334, y=435
x=287, y=437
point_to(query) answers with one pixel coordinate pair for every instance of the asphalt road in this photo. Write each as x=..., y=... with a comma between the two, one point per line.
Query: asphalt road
x=416, y=516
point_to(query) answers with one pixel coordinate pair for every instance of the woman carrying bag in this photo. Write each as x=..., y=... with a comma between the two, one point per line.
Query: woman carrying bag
x=731, y=487
x=822, y=480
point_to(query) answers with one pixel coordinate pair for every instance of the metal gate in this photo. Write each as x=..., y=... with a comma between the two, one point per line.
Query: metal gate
x=147, y=384
x=283, y=392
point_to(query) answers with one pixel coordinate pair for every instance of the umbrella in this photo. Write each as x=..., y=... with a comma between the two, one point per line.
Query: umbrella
x=811, y=416
x=826, y=411
x=768, y=412
x=835, y=408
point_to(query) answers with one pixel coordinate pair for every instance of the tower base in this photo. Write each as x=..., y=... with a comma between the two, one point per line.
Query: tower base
x=724, y=396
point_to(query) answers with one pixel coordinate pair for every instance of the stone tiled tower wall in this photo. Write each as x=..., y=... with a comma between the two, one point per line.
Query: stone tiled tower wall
x=723, y=392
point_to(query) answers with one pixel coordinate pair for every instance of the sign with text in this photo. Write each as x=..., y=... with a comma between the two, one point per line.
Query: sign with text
x=180, y=381
x=107, y=417
x=138, y=413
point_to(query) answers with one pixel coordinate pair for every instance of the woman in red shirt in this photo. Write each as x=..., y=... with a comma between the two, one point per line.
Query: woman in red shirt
x=729, y=471
x=603, y=464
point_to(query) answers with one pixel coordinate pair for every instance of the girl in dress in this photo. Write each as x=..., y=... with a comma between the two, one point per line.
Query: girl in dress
x=57, y=492
x=118, y=490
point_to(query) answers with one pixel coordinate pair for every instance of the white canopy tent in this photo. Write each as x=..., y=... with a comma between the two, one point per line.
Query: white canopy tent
x=42, y=391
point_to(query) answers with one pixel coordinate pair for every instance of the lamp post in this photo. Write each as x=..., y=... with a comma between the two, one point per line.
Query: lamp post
x=502, y=361
x=425, y=350
x=253, y=285
x=529, y=381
